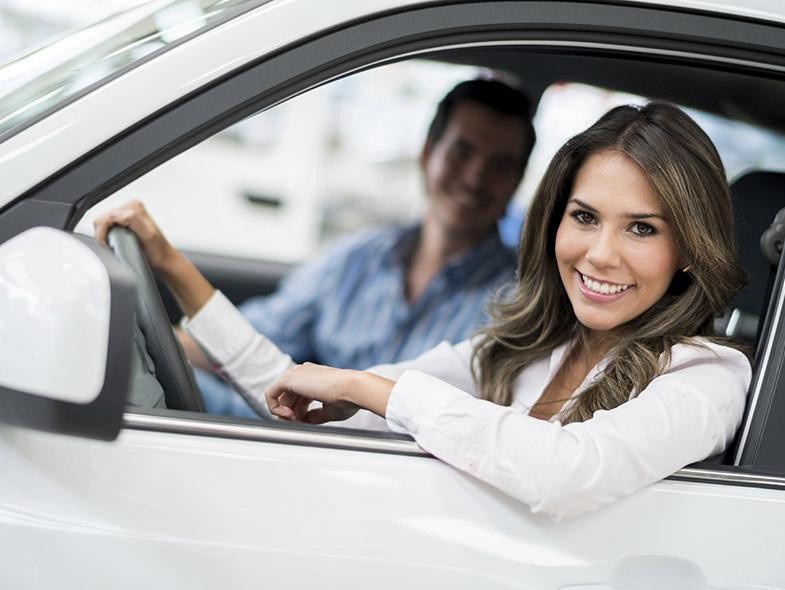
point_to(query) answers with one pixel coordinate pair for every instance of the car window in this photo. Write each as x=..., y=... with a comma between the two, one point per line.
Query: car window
x=286, y=183
x=50, y=76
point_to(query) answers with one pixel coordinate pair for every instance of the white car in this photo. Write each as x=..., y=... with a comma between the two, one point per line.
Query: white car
x=97, y=494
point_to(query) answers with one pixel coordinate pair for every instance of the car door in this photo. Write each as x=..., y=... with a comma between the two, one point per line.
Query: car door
x=187, y=500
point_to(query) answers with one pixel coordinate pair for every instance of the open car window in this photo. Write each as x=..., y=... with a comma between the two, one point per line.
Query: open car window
x=284, y=184
x=656, y=77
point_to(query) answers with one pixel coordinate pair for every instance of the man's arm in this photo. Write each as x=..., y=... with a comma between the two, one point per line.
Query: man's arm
x=195, y=354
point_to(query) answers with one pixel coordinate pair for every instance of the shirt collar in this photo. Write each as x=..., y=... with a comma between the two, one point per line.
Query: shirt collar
x=458, y=267
x=556, y=359
x=401, y=247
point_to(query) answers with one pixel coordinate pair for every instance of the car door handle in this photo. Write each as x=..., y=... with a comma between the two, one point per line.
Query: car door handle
x=650, y=572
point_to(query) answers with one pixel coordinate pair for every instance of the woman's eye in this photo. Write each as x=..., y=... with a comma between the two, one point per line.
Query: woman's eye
x=583, y=217
x=642, y=229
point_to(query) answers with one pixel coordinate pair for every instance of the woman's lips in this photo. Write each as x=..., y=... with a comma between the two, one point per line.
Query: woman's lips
x=594, y=295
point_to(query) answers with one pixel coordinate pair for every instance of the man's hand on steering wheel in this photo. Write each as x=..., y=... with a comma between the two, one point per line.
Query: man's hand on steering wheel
x=141, y=245
x=189, y=287
x=159, y=252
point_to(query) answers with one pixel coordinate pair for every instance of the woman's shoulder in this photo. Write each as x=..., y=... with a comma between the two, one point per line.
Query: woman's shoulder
x=706, y=352
x=701, y=347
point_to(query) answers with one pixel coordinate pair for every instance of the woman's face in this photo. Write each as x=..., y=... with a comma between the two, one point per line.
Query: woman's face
x=614, y=247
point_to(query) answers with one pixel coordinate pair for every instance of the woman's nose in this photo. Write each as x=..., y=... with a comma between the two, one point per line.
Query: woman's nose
x=603, y=250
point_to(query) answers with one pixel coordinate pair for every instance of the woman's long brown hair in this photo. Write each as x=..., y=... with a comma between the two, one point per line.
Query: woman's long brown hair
x=684, y=169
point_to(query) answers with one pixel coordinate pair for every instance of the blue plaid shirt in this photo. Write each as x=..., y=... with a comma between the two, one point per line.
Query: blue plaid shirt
x=349, y=309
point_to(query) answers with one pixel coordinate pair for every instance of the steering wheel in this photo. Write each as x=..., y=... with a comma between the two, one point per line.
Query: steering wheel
x=171, y=365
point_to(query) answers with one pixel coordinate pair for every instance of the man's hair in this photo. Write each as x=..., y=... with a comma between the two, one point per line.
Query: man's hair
x=493, y=94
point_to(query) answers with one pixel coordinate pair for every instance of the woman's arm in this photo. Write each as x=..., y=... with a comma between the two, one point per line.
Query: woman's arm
x=683, y=416
x=687, y=414
x=341, y=391
x=346, y=391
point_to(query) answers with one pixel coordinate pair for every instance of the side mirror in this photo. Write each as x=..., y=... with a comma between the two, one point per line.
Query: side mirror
x=66, y=325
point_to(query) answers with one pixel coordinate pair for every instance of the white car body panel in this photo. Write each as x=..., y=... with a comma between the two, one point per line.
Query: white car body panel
x=204, y=512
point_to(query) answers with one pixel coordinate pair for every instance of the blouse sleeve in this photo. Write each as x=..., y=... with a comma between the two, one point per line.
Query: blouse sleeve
x=685, y=415
x=446, y=362
x=450, y=363
x=251, y=362
x=248, y=360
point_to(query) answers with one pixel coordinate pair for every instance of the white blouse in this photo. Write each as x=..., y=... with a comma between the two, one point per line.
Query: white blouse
x=688, y=413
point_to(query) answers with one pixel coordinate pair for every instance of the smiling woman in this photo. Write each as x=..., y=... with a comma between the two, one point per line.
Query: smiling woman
x=622, y=206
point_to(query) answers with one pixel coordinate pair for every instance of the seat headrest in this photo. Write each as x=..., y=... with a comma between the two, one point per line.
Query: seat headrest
x=757, y=196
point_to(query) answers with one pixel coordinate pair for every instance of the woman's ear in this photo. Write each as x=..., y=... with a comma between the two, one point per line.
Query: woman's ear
x=681, y=279
x=682, y=262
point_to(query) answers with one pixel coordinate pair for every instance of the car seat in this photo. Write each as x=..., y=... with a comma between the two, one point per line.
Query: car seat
x=757, y=197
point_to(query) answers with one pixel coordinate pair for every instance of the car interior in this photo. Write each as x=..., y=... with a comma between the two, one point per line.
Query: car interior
x=732, y=94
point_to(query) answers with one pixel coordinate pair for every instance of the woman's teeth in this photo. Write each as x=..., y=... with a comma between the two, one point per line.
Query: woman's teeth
x=603, y=288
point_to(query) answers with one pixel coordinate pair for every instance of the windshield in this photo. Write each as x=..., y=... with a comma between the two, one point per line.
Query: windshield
x=50, y=77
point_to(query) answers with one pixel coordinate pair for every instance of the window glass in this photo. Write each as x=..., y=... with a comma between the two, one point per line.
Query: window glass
x=51, y=75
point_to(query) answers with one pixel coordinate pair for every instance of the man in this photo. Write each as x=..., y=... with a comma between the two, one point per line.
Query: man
x=389, y=295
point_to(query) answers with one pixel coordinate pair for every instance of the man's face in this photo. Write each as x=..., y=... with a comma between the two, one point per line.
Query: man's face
x=472, y=170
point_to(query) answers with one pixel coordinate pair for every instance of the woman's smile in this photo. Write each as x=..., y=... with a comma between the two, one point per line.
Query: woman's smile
x=600, y=291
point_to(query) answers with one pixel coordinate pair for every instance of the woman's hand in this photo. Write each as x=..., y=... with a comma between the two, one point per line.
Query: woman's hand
x=341, y=391
x=189, y=287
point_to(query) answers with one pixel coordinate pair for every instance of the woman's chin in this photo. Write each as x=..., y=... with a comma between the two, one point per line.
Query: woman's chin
x=596, y=324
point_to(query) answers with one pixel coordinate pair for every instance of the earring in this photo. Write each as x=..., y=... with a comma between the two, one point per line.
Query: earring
x=686, y=268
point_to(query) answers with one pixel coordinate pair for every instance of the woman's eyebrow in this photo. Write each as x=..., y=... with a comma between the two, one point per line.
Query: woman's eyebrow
x=583, y=205
x=636, y=216
x=645, y=216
